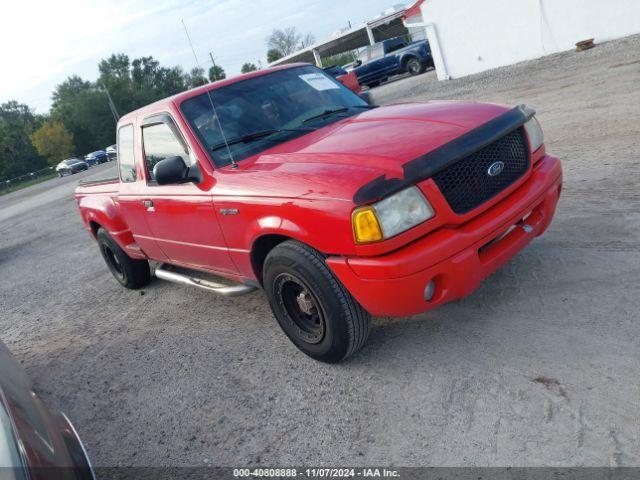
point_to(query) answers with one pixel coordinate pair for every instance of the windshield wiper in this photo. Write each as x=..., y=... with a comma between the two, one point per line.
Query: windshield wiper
x=326, y=113
x=256, y=135
x=333, y=111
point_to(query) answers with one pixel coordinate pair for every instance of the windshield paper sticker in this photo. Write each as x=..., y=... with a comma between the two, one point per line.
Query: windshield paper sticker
x=319, y=81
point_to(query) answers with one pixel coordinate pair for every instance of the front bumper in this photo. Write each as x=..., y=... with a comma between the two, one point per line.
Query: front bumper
x=457, y=258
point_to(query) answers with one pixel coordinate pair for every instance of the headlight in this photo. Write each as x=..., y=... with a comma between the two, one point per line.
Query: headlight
x=391, y=216
x=534, y=131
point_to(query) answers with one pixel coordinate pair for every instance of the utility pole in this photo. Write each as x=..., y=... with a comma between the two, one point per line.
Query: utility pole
x=213, y=62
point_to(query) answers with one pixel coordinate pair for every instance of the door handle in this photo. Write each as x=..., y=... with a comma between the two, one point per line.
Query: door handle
x=148, y=205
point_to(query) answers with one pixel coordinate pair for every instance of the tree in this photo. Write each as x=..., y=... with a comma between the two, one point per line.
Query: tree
x=17, y=154
x=286, y=41
x=308, y=40
x=53, y=141
x=216, y=72
x=274, y=54
x=82, y=107
x=248, y=67
x=196, y=77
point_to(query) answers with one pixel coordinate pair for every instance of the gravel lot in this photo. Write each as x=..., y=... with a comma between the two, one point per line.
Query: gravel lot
x=539, y=367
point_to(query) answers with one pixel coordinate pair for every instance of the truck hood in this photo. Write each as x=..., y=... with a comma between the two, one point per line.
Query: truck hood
x=336, y=160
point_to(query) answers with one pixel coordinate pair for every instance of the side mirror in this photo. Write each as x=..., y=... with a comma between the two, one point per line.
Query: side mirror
x=172, y=170
x=357, y=63
x=367, y=97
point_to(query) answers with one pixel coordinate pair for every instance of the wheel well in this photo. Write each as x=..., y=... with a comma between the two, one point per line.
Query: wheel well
x=261, y=248
x=94, y=227
x=406, y=59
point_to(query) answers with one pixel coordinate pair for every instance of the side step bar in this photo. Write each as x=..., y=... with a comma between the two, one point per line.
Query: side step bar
x=227, y=291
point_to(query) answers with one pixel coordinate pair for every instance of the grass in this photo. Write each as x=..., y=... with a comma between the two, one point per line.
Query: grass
x=27, y=183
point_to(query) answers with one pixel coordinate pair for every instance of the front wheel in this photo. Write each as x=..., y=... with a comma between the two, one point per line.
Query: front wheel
x=130, y=273
x=313, y=308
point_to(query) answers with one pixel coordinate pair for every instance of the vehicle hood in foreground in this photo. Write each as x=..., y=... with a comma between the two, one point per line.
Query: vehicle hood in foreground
x=336, y=160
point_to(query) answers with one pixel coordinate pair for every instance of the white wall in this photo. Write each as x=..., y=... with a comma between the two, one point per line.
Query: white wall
x=475, y=35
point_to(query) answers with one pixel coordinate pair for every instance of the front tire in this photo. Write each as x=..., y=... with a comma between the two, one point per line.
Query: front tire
x=129, y=272
x=313, y=308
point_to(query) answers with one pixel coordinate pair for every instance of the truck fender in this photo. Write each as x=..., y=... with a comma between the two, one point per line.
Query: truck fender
x=98, y=212
x=265, y=233
x=276, y=225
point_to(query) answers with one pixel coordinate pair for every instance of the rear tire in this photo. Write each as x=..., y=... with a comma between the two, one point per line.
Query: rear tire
x=129, y=272
x=415, y=67
x=313, y=308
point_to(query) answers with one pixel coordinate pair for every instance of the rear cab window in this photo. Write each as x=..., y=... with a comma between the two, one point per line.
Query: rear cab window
x=126, y=158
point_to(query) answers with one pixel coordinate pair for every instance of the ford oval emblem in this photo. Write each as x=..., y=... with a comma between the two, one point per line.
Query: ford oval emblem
x=495, y=169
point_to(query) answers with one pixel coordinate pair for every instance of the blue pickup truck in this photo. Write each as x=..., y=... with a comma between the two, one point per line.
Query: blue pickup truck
x=390, y=57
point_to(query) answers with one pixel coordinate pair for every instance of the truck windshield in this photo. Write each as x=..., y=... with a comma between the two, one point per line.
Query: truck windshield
x=261, y=112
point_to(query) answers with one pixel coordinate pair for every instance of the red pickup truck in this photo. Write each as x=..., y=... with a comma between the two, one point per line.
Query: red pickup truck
x=285, y=180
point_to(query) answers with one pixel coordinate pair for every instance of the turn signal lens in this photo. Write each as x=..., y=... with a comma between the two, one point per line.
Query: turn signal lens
x=534, y=130
x=365, y=226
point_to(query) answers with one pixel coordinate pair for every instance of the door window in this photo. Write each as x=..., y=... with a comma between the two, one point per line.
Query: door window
x=160, y=143
x=126, y=162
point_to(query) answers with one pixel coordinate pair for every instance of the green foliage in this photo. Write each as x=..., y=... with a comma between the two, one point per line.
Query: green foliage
x=53, y=141
x=196, y=77
x=339, y=60
x=216, y=72
x=17, y=154
x=274, y=54
x=81, y=109
x=248, y=67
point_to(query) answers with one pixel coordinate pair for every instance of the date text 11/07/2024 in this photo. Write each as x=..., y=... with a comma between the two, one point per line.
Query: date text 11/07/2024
x=316, y=472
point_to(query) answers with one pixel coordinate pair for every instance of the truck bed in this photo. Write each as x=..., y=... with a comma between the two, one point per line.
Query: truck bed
x=102, y=185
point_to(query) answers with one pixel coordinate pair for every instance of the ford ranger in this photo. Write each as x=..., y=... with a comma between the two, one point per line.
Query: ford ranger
x=287, y=181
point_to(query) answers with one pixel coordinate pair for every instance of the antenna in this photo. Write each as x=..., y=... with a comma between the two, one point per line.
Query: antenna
x=213, y=107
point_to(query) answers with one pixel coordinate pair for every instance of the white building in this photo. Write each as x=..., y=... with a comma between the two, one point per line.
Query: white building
x=469, y=36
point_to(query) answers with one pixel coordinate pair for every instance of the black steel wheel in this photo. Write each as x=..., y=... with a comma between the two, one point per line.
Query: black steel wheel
x=302, y=308
x=312, y=307
x=129, y=272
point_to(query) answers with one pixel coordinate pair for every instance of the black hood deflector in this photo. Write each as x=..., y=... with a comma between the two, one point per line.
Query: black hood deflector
x=427, y=165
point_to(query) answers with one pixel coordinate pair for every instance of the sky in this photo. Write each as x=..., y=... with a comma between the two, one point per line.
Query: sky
x=43, y=42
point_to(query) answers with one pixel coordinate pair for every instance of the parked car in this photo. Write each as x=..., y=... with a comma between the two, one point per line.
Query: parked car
x=338, y=209
x=112, y=152
x=71, y=166
x=35, y=444
x=378, y=62
x=348, y=79
x=96, y=158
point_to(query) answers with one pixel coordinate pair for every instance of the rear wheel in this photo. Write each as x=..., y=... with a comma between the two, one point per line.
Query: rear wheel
x=130, y=273
x=311, y=305
x=415, y=67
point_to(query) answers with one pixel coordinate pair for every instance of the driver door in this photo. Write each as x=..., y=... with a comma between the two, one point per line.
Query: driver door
x=181, y=217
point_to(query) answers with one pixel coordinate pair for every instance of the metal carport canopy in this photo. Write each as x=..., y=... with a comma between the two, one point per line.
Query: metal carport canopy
x=382, y=28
